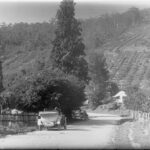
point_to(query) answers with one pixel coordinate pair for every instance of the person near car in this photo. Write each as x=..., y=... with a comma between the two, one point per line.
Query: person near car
x=39, y=122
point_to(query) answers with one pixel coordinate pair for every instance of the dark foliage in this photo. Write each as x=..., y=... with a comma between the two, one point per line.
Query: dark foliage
x=18, y=40
x=113, y=88
x=49, y=90
x=98, y=87
x=137, y=100
x=68, y=48
x=97, y=31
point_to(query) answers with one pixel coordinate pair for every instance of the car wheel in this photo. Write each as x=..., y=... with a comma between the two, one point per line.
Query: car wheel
x=59, y=127
x=40, y=127
x=65, y=127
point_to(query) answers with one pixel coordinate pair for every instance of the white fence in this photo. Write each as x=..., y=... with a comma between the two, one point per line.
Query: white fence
x=138, y=115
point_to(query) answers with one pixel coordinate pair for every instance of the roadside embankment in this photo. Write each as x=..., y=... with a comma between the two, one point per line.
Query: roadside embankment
x=130, y=133
x=141, y=133
x=4, y=130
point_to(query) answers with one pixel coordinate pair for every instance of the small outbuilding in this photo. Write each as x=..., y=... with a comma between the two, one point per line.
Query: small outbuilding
x=120, y=97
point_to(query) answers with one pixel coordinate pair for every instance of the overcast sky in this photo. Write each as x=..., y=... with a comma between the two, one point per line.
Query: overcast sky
x=12, y=11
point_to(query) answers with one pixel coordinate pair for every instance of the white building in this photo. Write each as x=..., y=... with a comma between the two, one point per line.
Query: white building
x=120, y=97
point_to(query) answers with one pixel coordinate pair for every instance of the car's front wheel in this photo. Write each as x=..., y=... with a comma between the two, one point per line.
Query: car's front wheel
x=40, y=127
x=65, y=127
x=59, y=127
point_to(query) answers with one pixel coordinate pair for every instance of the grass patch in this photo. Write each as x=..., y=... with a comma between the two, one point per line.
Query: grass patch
x=5, y=130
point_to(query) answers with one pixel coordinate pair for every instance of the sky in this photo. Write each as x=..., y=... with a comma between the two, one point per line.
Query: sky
x=14, y=11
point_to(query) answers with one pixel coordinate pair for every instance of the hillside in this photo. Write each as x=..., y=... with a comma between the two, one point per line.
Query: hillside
x=25, y=48
x=128, y=57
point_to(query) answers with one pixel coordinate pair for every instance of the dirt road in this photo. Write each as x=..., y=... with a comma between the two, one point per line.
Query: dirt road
x=97, y=132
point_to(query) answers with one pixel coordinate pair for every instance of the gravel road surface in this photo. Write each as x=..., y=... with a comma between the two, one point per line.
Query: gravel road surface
x=97, y=132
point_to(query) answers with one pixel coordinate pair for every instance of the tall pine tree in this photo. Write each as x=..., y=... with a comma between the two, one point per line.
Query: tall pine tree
x=98, y=86
x=68, y=49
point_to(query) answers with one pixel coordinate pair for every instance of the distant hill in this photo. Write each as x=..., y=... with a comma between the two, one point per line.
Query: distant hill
x=25, y=48
x=129, y=57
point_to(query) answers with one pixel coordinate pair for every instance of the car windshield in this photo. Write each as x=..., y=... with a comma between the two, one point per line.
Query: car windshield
x=49, y=115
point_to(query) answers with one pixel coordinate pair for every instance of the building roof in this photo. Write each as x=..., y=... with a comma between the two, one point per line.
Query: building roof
x=120, y=94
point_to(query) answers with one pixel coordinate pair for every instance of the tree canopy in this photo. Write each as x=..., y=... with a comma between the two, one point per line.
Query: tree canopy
x=99, y=74
x=68, y=48
x=48, y=90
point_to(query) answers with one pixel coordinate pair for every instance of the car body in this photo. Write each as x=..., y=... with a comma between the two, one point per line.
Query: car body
x=79, y=114
x=50, y=119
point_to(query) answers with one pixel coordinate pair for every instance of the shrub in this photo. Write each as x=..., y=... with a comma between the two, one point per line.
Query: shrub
x=98, y=86
x=47, y=91
x=137, y=100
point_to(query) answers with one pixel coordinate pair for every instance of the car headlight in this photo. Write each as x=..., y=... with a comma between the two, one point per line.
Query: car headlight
x=58, y=122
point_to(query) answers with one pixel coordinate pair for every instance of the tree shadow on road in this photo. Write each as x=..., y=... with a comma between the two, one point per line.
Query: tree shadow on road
x=126, y=120
x=103, y=116
x=75, y=129
x=102, y=122
x=69, y=129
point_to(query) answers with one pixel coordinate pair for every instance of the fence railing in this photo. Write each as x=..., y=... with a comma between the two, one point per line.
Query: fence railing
x=138, y=115
x=18, y=117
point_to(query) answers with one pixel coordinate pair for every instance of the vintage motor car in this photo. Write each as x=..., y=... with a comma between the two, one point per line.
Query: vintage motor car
x=51, y=119
x=80, y=114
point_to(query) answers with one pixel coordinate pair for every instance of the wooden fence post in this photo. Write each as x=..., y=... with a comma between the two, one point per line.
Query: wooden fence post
x=28, y=118
x=144, y=116
x=135, y=115
x=148, y=116
x=132, y=114
x=138, y=115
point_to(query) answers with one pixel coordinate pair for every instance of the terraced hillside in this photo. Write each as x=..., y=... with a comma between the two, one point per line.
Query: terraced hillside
x=26, y=47
x=22, y=65
x=129, y=57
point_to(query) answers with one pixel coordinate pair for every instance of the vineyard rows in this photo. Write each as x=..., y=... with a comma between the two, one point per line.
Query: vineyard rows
x=129, y=67
x=128, y=57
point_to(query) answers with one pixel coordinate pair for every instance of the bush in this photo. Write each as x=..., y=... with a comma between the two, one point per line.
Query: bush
x=97, y=89
x=137, y=100
x=49, y=90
